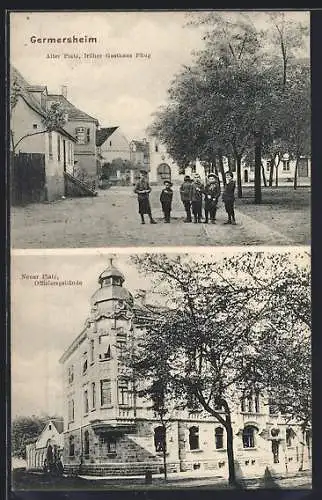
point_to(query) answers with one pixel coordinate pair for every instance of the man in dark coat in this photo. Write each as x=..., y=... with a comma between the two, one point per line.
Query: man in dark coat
x=228, y=198
x=212, y=193
x=185, y=194
x=166, y=200
x=143, y=190
x=196, y=198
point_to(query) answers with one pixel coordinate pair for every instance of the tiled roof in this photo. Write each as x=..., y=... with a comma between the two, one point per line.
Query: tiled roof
x=73, y=112
x=103, y=134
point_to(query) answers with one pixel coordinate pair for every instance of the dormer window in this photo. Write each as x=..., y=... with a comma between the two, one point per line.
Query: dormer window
x=34, y=126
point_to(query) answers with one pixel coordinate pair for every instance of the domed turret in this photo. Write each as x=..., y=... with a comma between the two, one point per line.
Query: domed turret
x=111, y=287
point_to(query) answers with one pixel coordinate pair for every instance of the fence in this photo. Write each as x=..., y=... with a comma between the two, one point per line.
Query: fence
x=28, y=178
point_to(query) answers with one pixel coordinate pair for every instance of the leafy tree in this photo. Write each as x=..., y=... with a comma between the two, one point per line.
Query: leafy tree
x=215, y=339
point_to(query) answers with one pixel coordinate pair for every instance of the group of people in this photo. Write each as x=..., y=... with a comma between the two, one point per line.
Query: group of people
x=192, y=192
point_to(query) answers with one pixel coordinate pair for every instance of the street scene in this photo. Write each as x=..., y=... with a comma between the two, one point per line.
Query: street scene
x=214, y=130
x=155, y=370
x=112, y=219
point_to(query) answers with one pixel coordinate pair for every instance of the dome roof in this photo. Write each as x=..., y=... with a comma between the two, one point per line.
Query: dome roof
x=110, y=272
x=111, y=293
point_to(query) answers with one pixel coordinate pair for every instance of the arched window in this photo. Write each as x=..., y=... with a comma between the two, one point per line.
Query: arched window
x=194, y=438
x=86, y=443
x=219, y=438
x=159, y=438
x=71, y=446
x=249, y=436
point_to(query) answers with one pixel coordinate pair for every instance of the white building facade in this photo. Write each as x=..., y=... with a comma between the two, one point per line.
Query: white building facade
x=109, y=430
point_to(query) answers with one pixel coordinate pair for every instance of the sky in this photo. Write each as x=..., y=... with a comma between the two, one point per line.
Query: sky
x=124, y=92
x=46, y=319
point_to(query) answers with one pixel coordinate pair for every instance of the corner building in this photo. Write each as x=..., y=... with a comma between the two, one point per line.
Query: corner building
x=109, y=430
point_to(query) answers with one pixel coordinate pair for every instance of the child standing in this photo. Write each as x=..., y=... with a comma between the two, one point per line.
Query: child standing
x=166, y=200
x=228, y=198
x=196, y=198
x=212, y=193
x=185, y=194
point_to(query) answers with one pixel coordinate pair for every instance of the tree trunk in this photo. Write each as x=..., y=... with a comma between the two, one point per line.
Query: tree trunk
x=231, y=163
x=302, y=451
x=276, y=177
x=230, y=452
x=165, y=472
x=221, y=166
x=263, y=174
x=239, y=182
x=258, y=164
x=271, y=172
x=296, y=172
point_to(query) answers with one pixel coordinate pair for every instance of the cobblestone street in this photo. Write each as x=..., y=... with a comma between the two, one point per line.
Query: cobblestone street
x=112, y=219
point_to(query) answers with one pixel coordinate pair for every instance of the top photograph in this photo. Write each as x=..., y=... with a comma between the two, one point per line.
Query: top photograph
x=159, y=128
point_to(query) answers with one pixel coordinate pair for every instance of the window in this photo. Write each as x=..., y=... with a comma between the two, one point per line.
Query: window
x=286, y=165
x=268, y=165
x=243, y=405
x=156, y=147
x=82, y=135
x=88, y=135
x=71, y=446
x=34, y=126
x=249, y=436
x=219, y=438
x=105, y=350
x=272, y=407
x=110, y=143
x=92, y=351
x=50, y=144
x=123, y=392
x=194, y=438
x=249, y=404
x=257, y=407
x=85, y=366
x=49, y=427
x=71, y=410
x=193, y=168
x=107, y=445
x=106, y=395
x=93, y=395
x=86, y=443
x=71, y=374
x=159, y=439
x=86, y=402
x=121, y=349
x=58, y=148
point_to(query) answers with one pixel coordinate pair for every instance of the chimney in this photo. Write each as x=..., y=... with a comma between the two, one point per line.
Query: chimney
x=141, y=295
x=64, y=91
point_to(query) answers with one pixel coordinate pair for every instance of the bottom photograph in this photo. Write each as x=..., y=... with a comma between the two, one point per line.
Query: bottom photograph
x=161, y=370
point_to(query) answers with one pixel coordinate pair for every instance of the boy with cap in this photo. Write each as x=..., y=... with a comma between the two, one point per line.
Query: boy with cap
x=166, y=200
x=142, y=189
x=228, y=198
x=196, y=198
x=185, y=194
x=212, y=193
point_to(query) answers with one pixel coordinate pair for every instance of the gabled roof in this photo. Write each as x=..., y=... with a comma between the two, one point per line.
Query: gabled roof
x=103, y=134
x=73, y=112
x=16, y=76
x=25, y=91
x=59, y=424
